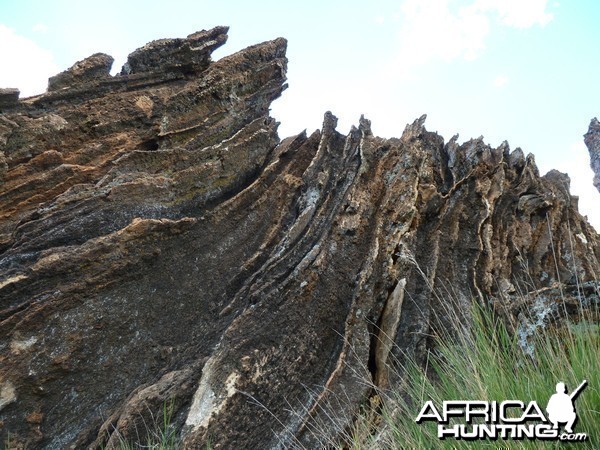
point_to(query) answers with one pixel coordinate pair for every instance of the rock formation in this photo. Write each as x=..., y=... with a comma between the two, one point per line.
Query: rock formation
x=161, y=248
x=592, y=140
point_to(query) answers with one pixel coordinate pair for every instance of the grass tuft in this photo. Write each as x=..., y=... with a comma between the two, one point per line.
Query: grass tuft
x=161, y=435
x=485, y=362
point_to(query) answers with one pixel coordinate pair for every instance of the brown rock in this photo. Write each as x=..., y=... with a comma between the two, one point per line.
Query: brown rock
x=34, y=418
x=88, y=70
x=160, y=246
x=189, y=55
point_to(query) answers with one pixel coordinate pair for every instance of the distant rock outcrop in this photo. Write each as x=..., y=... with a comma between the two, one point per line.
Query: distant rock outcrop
x=162, y=248
x=592, y=140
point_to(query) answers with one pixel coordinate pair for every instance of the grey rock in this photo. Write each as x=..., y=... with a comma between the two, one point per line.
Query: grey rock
x=592, y=140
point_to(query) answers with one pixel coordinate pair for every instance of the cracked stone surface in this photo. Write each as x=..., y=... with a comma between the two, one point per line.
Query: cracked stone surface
x=161, y=245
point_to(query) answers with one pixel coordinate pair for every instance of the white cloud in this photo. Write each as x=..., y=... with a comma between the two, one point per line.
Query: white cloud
x=500, y=81
x=577, y=165
x=447, y=30
x=25, y=65
x=430, y=31
x=518, y=13
x=40, y=28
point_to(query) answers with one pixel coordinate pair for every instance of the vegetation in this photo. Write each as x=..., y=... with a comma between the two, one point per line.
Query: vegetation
x=486, y=363
x=160, y=435
x=483, y=362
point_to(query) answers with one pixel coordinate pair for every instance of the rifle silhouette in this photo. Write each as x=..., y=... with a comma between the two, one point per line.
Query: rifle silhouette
x=577, y=391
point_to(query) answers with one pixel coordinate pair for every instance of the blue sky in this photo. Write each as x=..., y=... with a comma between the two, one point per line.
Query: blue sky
x=525, y=71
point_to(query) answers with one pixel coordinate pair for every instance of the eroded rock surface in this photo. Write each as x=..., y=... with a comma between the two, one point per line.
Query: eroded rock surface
x=592, y=140
x=162, y=248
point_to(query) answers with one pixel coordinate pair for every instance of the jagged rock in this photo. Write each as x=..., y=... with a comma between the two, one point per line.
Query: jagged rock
x=8, y=97
x=592, y=140
x=90, y=69
x=160, y=245
x=188, y=55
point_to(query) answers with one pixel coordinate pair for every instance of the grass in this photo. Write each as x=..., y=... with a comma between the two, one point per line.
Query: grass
x=483, y=362
x=161, y=435
x=486, y=363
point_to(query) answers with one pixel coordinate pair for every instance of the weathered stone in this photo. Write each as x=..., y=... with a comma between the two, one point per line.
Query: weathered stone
x=539, y=310
x=592, y=140
x=9, y=97
x=188, y=55
x=88, y=70
x=159, y=245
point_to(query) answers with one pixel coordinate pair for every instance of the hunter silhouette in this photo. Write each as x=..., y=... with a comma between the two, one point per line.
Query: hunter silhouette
x=560, y=406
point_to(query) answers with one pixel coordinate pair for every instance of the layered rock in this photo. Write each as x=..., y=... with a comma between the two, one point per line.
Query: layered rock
x=592, y=140
x=9, y=97
x=163, y=249
x=90, y=69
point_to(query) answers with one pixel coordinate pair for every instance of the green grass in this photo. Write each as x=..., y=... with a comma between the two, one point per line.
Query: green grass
x=161, y=435
x=486, y=363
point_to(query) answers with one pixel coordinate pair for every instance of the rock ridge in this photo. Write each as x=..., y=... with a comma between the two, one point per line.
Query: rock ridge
x=592, y=141
x=160, y=244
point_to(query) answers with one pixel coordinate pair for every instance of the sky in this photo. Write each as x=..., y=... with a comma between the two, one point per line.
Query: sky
x=524, y=71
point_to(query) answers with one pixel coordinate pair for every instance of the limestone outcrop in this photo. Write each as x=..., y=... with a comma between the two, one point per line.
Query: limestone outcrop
x=161, y=248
